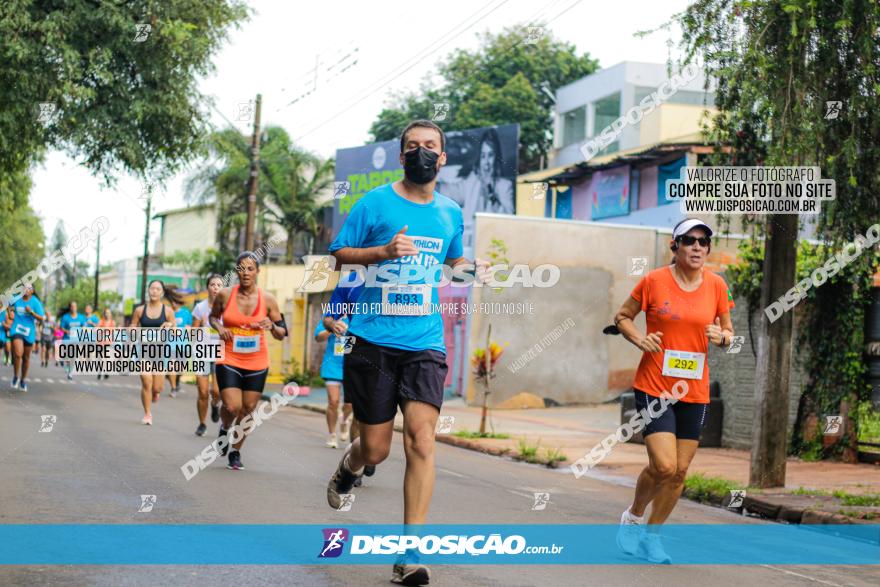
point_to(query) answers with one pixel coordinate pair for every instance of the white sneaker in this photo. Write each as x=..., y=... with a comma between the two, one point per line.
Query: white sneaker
x=651, y=548
x=331, y=442
x=630, y=533
x=344, y=432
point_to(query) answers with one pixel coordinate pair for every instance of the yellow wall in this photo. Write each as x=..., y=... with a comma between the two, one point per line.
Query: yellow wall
x=190, y=230
x=282, y=281
x=670, y=121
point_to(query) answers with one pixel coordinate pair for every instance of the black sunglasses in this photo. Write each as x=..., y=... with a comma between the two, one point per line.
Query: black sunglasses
x=688, y=240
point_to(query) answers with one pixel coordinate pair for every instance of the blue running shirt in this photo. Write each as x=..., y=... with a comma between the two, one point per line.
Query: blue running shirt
x=436, y=228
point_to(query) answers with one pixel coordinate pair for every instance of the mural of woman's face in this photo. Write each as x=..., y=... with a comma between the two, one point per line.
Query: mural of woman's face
x=487, y=159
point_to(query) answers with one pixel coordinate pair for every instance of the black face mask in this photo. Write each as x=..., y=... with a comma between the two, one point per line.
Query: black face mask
x=420, y=165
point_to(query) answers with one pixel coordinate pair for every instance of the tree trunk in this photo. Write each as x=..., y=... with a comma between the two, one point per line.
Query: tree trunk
x=288, y=256
x=488, y=359
x=770, y=424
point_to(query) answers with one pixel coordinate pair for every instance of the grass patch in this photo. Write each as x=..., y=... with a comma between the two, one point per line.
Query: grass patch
x=472, y=434
x=553, y=456
x=708, y=489
x=860, y=515
x=804, y=491
x=531, y=453
x=528, y=452
x=867, y=500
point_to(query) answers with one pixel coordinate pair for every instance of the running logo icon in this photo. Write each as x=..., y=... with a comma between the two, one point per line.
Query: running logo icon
x=343, y=345
x=334, y=542
x=47, y=110
x=638, y=265
x=245, y=111
x=141, y=32
x=341, y=189
x=534, y=34
x=832, y=425
x=539, y=190
x=736, y=498
x=48, y=421
x=444, y=425
x=318, y=271
x=147, y=503
x=346, y=503
x=736, y=345
x=441, y=110
x=541, y=501
x=832, y=109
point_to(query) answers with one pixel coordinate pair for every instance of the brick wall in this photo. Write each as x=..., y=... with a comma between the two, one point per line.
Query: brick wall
x=736, y=375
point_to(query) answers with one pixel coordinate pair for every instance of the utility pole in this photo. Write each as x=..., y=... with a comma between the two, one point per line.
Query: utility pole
x=255, y=173
x=97, y=271
x=770, y=424
x=146, y=247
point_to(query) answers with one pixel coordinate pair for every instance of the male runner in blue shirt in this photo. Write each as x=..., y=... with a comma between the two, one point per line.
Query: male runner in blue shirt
x=399, y=357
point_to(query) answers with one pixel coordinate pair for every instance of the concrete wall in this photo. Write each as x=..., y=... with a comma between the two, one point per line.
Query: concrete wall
x=583, y=365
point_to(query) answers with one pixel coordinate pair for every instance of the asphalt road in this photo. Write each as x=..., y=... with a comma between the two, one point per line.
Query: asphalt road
x=98, y=460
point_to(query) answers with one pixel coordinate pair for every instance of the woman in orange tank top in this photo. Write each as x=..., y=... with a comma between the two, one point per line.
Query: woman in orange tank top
x=242, y=315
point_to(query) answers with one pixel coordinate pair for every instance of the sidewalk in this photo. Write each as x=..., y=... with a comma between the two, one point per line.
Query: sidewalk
x=576, y=430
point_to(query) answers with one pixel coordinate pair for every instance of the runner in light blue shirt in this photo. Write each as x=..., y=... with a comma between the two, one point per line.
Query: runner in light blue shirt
x=28, y=311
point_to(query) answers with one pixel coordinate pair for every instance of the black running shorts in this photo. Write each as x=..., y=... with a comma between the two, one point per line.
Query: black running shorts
x=243, y=379
x=685, y=420
x=377, y=379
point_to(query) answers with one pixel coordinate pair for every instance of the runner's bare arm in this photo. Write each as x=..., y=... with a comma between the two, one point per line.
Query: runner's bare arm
x=217, y=314
x=399, y=246
x=322, y=336
x=652, y=343
x=278, y=333
x=721, y=332
x=135, y=317
x=169, y=318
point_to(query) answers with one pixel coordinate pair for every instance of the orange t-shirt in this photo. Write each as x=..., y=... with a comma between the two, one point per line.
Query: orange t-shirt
x=682, y=317
x=248, y=349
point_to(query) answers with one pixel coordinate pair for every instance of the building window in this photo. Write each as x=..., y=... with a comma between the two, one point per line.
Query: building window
x=574, y=126
x=680, y=97
x=607, y=111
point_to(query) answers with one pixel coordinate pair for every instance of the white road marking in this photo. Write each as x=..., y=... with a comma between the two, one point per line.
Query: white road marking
x=453, y=473
x=814, y=579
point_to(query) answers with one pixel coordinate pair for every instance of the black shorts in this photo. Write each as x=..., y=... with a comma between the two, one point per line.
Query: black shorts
x=377, y=379
x=22, y=338
x=243, y=379
x=685, y=420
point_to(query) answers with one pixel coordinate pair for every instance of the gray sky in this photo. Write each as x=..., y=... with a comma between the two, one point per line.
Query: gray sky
x=275, y=50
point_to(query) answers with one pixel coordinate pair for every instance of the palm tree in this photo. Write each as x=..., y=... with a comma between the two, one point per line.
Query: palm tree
x=291, y=180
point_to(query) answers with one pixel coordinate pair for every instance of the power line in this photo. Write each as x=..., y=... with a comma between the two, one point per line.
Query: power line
x=535, y=16
x=415, y=59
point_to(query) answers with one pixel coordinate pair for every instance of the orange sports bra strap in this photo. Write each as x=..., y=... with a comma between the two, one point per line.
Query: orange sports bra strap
x=232, y=294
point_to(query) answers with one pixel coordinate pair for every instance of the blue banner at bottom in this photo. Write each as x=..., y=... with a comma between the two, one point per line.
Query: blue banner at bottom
x=459, y=544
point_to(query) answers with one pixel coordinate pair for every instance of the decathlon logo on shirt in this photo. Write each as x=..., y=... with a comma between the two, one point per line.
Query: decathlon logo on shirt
x=428, y=244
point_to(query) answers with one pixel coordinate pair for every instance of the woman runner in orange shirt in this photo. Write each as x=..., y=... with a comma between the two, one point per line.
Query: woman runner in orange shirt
x=241, y=315
x=685, y=308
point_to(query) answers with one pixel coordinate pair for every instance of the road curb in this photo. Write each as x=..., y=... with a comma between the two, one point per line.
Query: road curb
x=767, y=509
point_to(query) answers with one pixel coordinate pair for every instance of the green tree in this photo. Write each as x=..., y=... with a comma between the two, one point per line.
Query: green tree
x=21, y=240
x=117, y=103
x=290, y=181
x=83, y=293
x=777, y=63
x=294, y=179
x=504, y=81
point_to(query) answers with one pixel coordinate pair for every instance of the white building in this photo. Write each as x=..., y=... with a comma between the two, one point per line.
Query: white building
x=585, y=107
